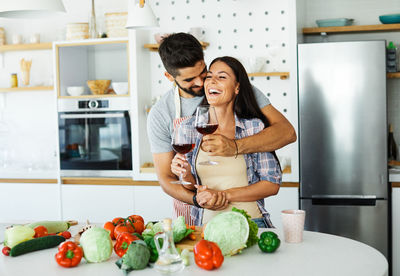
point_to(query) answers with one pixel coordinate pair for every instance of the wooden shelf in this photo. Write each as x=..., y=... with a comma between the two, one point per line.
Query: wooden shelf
x=26, y=47
x=28, y=88
x=282, y=75
x=154, y=47
x=353, y=28
x=395, y=75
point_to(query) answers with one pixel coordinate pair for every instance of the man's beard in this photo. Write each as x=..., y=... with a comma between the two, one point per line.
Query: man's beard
x=190, y=91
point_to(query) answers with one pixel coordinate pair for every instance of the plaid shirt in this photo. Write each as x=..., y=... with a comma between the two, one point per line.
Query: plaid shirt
x=260, y=165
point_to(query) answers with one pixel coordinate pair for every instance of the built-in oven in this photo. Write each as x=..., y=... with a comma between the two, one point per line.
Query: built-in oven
x=95, y=137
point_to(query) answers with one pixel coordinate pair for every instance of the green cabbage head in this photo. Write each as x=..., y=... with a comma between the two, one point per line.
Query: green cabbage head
x=96, y=244
x=229, y=230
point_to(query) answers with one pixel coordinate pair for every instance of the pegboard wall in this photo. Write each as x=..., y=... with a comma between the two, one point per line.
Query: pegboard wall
x=262, y=29
x=242, y=29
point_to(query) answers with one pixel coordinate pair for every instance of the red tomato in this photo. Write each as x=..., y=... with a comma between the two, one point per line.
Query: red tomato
x=66, y=235
x=135, y=225
x=6, y=250
x=118, y=220
x=109, y=226
x=40, y=231
x=136, y=217
x=120, y=229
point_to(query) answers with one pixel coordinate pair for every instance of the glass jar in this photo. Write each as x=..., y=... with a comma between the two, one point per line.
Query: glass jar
x=14, y=80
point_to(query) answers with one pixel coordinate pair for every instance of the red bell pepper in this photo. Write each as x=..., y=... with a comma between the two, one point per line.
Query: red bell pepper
x=69, y=254
x=208, y=255
x=123, y=242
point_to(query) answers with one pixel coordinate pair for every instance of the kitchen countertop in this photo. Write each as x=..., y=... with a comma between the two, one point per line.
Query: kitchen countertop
x=318, y=254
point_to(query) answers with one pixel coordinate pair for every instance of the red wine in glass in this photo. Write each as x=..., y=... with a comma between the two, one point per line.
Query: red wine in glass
x=182, y=148
x=206, y=123
x=207, y=129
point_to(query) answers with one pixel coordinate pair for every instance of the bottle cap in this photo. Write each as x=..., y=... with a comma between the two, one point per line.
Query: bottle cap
x=167, y=224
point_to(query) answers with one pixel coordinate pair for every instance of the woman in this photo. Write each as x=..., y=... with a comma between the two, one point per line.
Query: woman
x=247, y=179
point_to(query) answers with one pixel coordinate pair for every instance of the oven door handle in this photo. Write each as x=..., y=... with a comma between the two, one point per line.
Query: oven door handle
x=90, y=116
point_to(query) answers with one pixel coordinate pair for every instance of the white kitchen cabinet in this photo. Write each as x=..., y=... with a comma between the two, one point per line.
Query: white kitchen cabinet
x=98, y=59
x=96, y=203
x=29, y=202
x=287, y=198
x=152, y=203
x=396, y=230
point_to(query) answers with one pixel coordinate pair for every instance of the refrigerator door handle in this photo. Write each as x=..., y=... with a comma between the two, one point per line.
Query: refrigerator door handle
x=367, y=200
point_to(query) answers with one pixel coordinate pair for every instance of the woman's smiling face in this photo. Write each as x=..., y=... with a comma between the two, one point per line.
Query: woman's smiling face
x=220, y=85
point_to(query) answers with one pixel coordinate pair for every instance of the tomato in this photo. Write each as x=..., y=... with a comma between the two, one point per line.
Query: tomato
x=135, y=225
x=118, y=220
x=109, y=226
x=66, y=235
x=120, y=229
x=6, y=250
x=40, y=231
x=136, y=217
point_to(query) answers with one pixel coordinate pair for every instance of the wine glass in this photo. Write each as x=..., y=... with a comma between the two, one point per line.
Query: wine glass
x=183, y=141
x=206, y=123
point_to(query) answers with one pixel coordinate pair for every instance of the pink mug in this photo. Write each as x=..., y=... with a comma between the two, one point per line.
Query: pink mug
x=293, y=225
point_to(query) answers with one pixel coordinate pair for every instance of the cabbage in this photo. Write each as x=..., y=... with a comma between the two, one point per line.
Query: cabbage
x=17, y=234
x=96, y=244
x=229, y=230
x=253, y=228
x=179, y=229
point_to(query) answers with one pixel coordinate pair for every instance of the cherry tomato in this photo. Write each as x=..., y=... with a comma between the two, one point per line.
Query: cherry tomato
x=120, y=229
x=40, y=231
x=6, y=250
x=66, y=235
x=118, y=220
x=109, y=226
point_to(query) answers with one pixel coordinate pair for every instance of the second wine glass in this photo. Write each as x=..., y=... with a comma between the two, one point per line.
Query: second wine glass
x=206, y=123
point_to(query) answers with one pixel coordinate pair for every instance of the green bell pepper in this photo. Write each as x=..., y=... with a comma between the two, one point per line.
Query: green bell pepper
x=152, y=247
x=268, y=242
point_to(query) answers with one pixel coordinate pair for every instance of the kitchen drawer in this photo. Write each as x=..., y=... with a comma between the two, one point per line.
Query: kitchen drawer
x=29, y=202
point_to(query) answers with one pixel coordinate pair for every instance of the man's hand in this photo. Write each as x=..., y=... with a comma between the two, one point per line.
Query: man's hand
x=211, y=199
x=218, y=145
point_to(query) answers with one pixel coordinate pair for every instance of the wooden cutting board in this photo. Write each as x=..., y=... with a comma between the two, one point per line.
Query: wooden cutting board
x=189, y=244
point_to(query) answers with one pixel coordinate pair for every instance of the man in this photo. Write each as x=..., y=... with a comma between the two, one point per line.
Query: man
x=183, y=59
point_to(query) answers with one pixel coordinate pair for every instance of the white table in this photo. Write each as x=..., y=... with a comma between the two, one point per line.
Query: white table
x=319, y=254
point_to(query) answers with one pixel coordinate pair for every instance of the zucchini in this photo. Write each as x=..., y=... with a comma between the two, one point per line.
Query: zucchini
x=36, y=244
x=51, y=226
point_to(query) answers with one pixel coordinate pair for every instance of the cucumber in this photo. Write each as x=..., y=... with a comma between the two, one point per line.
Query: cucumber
x=36, y=244
x=51, y=226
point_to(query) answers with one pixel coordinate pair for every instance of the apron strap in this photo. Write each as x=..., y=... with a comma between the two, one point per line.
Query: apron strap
x=177, y=100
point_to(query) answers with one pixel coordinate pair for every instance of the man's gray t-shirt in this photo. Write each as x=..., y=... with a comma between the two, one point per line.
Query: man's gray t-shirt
x=162, y=115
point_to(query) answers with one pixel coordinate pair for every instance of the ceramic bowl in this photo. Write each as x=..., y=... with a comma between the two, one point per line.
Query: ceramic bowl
x=390, y=18
x=120, y=88
x=98, y=87
x=75, y=90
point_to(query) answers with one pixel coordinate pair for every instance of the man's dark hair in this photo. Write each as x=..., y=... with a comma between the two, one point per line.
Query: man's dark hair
x=178, y=51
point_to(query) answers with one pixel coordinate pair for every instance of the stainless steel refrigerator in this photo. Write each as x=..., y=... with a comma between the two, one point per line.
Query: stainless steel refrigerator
x=343, y=140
